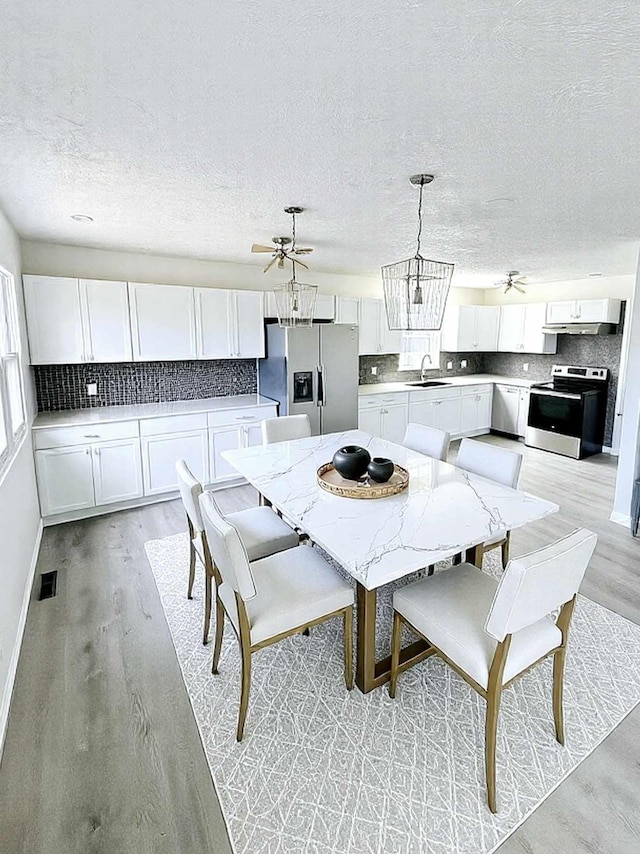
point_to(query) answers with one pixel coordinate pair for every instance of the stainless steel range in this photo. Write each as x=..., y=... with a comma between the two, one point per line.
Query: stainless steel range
x=567, y=415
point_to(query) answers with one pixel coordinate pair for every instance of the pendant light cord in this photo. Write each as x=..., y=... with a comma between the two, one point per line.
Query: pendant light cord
x=293, y=246
x=419, y=220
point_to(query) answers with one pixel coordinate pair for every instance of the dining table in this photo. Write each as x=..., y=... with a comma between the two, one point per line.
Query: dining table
x=444, y=511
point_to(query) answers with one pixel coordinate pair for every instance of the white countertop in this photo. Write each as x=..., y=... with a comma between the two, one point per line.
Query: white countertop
x=445, y=510
x=468, y=379
x=104, y=414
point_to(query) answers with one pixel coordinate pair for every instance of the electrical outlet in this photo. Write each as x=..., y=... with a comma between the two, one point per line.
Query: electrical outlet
x=92, y=389
x=449, y=366
x=463, y=363
x=374, y=370
x=525, y=366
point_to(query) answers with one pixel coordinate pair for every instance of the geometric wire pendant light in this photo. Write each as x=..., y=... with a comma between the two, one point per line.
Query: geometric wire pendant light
x=416, y=290
x=295, y=301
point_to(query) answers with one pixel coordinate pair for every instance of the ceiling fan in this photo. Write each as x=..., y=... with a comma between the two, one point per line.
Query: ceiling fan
x=284, y=247
x=512, y=282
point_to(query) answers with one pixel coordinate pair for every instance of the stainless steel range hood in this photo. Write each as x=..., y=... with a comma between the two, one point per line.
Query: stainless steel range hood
x=580, y=328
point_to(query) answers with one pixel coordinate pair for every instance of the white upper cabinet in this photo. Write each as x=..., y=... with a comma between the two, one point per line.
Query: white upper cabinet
x=72, y=321
x=230, y=324
x=521, y=329
x=54, y=320
x=471, y=327
x=348, y=310
x=105, y=320
x=248, y=324
x=584, y=311
x=213, y=319
x=162, y=322
x=375, y=335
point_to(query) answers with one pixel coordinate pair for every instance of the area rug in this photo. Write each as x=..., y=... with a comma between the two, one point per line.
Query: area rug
x=325, y=771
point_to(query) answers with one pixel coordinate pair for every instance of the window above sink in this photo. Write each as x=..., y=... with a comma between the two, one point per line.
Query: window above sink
x=415, y=346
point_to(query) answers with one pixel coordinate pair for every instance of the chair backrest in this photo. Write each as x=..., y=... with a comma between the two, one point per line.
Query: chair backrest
x=285, y=429
x=227, y=549
x=490, y=461
x=427, y=440
x=190, y=491
x=536, y=584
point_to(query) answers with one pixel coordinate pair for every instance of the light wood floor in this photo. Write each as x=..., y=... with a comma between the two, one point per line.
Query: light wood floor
x=102, y=750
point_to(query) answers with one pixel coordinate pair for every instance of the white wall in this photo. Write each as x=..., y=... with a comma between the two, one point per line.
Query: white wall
x=53, y=259
x=614, y=287
x=20, y=524
x=629, y=452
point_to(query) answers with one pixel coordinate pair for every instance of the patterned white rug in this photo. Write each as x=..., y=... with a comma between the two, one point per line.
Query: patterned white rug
x=323, y=770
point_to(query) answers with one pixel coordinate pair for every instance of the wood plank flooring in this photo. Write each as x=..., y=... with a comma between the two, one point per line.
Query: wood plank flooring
x=102, y=750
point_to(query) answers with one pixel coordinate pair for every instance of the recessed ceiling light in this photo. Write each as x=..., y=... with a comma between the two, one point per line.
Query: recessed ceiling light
x=594, y=275
x=81, y=218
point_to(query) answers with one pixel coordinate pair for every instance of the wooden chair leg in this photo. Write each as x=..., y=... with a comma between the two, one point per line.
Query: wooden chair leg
x=506, y=550
x=395, y=653
x=490, y=737
x=348, y=647
x=558, y=686
x=430, y=570
x=219, y=632
x=244, y=693
x=192, y=561
x=207, y=608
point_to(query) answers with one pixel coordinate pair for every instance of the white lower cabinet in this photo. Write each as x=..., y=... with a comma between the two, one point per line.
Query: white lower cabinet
x=65, y=479
x=223, y=439
x=159, y=455
x=386, y=416
x=476, y=405
x=117, y=471
x=523, y=412
x=440, y=409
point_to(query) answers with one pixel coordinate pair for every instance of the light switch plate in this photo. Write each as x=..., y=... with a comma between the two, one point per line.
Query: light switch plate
x=463, y=363
x=525, y=366
x=374, y=370
x=449, y=366
x=92, y=389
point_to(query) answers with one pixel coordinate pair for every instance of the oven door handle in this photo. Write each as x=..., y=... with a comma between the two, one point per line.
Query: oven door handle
x=550, y=393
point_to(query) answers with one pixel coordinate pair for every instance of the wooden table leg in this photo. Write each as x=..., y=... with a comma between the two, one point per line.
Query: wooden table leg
x=370, y=673
x=475, y=555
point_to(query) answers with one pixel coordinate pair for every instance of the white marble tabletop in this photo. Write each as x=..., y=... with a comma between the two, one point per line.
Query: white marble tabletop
x=445, y=510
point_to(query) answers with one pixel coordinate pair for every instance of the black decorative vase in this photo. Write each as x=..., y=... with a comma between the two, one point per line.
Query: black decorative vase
x=351, y=461
x=380, y=469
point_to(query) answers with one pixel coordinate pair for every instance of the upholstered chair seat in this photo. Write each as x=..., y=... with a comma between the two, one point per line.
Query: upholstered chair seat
x=491, y=632
x=274, y=597
x=262, y=532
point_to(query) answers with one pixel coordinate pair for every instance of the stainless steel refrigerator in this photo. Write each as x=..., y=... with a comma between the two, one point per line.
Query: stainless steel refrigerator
x=313, y=371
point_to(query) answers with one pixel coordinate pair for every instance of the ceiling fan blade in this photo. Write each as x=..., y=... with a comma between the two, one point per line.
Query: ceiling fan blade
x=294, y=261
x=302, y=251
x=258, y=247
x=270, y=264
x=518, y=288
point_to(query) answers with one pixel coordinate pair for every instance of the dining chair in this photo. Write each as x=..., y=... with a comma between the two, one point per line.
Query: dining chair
x=427, y=440
x=285, y=429
x=262, y=532
x=500, y=465
x=273, y=598
x=492, y=632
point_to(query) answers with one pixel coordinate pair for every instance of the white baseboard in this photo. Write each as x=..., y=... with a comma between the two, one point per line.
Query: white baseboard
x=13, y=663
x=620, y=519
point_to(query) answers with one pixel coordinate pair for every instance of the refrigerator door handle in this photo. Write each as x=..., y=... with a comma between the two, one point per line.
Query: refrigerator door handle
x=320, y=400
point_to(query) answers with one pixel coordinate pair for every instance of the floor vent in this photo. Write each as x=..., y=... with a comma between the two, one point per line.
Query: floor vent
x=48, y=585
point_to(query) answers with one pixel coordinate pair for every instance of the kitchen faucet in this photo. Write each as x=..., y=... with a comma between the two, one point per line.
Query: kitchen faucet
x=422, y=367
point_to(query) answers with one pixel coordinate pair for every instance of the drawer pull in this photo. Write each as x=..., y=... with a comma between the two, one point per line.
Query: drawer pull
x=246, y=418
x=91, y=436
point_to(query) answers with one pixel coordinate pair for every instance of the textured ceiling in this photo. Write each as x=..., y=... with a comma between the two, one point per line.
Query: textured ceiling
x=185, y=127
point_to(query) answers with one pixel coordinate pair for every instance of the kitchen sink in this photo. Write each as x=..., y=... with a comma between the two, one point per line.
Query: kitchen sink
x=428, y=384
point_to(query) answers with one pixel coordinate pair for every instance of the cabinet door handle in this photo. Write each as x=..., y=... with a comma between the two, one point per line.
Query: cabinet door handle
x=88, y=451
x=96, y=451
x=91, y=436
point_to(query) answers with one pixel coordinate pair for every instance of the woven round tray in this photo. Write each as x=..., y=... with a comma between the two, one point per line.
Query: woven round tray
x=329, y=479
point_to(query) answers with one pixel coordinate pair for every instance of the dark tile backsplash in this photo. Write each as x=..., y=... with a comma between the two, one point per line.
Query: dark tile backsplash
x=65, y=386
x=388, y=368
